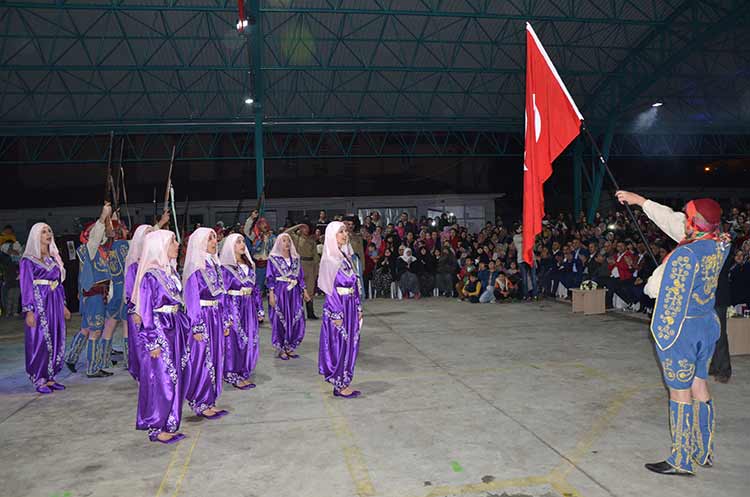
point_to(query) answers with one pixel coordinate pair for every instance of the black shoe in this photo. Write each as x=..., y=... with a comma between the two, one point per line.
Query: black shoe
x=106, y=373
x=71, y=367
x=708, y=464
x=99, y=374
x=116, y=352
x=310, y=311
x=664, y=468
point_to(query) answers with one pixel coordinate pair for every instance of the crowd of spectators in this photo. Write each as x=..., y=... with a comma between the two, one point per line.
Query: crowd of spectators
x=431, y=257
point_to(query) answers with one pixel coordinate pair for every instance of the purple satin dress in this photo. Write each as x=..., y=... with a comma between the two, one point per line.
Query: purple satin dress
x=164, y=326
x=43, y=294
x=206, y=308
x=133, y=329
x=339, y=345
x=241, y=345
x=287, y=281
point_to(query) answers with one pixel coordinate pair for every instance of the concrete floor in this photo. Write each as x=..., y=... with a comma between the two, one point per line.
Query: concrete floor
x=459, y=399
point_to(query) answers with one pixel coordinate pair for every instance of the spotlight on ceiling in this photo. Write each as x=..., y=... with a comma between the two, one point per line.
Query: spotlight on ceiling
x=249, y=101
x=657, y=104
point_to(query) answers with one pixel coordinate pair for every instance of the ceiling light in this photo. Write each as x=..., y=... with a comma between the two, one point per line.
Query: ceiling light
x=249, y=101
x=657, y=104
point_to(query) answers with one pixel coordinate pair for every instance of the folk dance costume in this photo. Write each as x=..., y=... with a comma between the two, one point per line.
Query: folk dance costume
x=342, y=311
x=131, y=271
x=94, y=289
x=243, y=302
x=205, y=301
x=285, y=280
x=685, y=326
x=43, y=295
x=116, y=307
x=157, y=300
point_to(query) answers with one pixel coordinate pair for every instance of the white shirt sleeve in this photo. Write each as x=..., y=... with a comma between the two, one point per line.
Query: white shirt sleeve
x=670, y=222
x=654, y=282
x=96, y=237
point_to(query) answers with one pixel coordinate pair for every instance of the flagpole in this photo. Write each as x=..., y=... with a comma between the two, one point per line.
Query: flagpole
x=617, y=187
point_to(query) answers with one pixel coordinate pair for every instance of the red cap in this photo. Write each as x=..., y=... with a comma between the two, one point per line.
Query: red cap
x=704, y=213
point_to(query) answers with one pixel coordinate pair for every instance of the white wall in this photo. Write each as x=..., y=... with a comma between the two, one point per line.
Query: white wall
x=475, y=208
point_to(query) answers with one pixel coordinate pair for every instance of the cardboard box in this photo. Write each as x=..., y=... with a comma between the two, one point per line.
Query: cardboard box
x=738, y=331
x=589, y=301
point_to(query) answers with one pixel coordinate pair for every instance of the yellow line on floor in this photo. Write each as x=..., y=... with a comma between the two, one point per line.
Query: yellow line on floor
x=563, y=487
x=476, y=488
x=353, y=457
x=169, y=468
x=186, y=464
x=600, y=425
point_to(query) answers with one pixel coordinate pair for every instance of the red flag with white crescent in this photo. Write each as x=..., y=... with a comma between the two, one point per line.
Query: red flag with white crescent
x=552, y=122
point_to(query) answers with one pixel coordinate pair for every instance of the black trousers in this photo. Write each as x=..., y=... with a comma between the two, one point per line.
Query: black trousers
x=721, y=365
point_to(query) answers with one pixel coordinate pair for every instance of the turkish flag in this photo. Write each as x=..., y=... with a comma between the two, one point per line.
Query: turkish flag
x=552, y=122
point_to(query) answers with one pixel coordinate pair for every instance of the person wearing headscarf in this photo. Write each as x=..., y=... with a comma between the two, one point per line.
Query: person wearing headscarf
x=406, y=273
x=161, y=338
x=285, y=280
x=425, y=269
x=243, y=302
x=342, y=312
x=205, y=301
x=685, y=326
x=42, y=273
x=95, y=290
x=131, y=271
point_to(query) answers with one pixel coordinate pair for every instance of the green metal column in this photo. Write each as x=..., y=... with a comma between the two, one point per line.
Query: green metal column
x=599, y=172
x=256, y=41
x=578, y=177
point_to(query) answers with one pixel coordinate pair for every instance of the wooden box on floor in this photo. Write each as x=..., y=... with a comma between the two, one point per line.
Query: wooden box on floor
x=738, y=331
x=589, y=301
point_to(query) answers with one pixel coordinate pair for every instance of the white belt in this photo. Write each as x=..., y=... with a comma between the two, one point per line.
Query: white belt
x=240, y=293
x=209, y=303
x=168, y=309
x=52, y=284
x=344, y=290
x=292, y=281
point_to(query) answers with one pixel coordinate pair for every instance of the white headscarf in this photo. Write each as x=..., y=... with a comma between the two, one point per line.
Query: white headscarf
x=197, y=252
x=227, y=257
x=276, y=250
x=34, y=247
x=332, y=257
x=407, y=257
x=136, y=244
x=154, y=255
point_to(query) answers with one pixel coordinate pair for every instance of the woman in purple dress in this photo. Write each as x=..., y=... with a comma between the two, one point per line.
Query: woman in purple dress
x=209, y=324
x=41, y=272
x=160, y=341
x=131, y=270
x=285, y=281
x=243, y=302
x=342, y=312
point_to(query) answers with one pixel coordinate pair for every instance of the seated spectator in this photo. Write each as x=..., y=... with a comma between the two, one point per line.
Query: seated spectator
x=407, y=275
x=384, y=273
x=472, y=289
x=446, y=272
x=487, y=279
x=504, y=289
x=425, y=268
x=739, y=279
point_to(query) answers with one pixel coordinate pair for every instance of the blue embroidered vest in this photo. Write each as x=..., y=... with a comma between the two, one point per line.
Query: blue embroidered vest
x=688, y=288
x=92, y=271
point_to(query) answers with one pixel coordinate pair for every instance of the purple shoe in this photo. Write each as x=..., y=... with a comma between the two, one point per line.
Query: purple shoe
x=219, y=414
x=44, y=389
x=285, y=358
x=246, y=387
x=353, y=395
x=57, y=386
x=172, y=440
x=293, y=356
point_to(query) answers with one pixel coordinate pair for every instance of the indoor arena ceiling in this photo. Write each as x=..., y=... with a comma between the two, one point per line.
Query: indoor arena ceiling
x=88, y=66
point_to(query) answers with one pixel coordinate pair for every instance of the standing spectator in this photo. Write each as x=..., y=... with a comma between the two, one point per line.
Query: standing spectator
x=528, y=274
x=11, y=255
